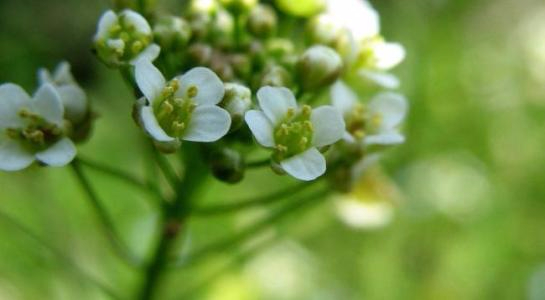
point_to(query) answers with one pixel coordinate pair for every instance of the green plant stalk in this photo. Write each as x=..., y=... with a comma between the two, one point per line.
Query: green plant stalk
x=107, y=224
x=174, y=216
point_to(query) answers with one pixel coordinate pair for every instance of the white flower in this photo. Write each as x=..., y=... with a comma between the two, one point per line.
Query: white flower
x=358, y=16
x=124, y=38
x=376, y=58
x=374, y=124
x=72, y=95
x=32, y=129
x=184, y=108
x=294, y=132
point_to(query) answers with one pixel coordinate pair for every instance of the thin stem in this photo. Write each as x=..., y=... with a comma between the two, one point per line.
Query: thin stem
x=129, y=178
x=250, y=203
x=107, y=224
x=59, y=254
x=167, y=170
x=259, y=163
x=238, y=30
x=251, y=230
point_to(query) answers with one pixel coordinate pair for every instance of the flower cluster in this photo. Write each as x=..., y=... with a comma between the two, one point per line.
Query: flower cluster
x=44, y=126
x=234, y=73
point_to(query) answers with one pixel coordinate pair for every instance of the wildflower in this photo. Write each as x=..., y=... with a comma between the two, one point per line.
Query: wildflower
x=72, y=95
x=374, y=124
x=32, y=129
x=124, y=38
x=295, y=133
x=183, y=108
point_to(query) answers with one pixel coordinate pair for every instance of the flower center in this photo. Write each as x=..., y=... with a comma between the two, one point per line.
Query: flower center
x=124, y=40
x=359, y=123
x=38, y=134
x=294, y=134
x=174, y=112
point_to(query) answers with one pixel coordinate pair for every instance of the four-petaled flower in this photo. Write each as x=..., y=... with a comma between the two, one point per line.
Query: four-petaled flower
x=124, y=38
x=184, y=108
x=32, y=129
x=72, y=95
x=294, y=132
x=374, y=124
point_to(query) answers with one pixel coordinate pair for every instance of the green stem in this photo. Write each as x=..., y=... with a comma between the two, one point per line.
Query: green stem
x=129, y=178
x=253, y=229
x=259, y=163
x=167, y=170
x=238, y=30
x=174, y=215
x=107, y=224
x=249, y=203
x=59, y=254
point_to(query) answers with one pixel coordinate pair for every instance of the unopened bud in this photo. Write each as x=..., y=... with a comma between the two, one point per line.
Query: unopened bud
x=238, y=6
x=318, y=67
x=237, y=102
x=323, y=30
x=262, y=21
x=172, y=32
x=227, y=165
x=200, y=54
x=275, y=75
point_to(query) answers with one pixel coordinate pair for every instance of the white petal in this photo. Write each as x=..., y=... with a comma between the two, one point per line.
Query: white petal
x=347, y=137
x=14, y=157
x=74, y=102
x=151, y=125
x=12, y=99
x=210, y=88
x=107, y=20
x=387, y=139
x=140, y=23
x=59, y=154
x=149, y=79
x=391, y=107
x=150, y=54
x=388, y=55
x=44, y=76
x=275, y=102
x=356, y=15
x=306, y=166
x=208, y=123
x=62, y=74
x=47, y=103
x=382, y=79
x=343, y=97
x=328, y=125
x=261, y=127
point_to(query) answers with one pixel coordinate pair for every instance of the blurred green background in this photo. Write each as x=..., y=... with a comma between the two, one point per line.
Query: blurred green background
x=469, y=219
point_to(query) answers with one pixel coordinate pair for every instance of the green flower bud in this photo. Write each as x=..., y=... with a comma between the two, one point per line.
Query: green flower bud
x=323, y=30
x=262, y=21
x=319, y=66
x=238, y=6
x=223, y=27
x=242, y=65
x=172, y=33
x=227, y=165
x=220, y=65
x=301, y=8
x=237, y=102
x=207, y=7
x=200, y=54
x=275, y=75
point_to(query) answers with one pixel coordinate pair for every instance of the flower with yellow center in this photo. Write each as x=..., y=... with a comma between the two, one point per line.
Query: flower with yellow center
x=184, y=108
x=295, y=133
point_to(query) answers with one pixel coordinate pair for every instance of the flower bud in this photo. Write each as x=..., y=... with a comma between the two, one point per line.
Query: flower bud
x=281, y=50
x=200, y=54
x=227, y=165
x=223, y=27
x=208, y=7
x=262, y=21
x=237, y=102
x=323, y=29
x=238, y=6
x=275, y=75
x=242, y=65
x=172, y=33
x=319, y=66
x=301, y=8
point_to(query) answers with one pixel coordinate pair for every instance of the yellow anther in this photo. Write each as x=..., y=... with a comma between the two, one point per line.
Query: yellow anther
x=137, y=47
x=281, y=148
x=115, y=29
x=359, y=134
x=303, y=143
x=35, y=136
x=178, y=127
x=308, y=125
x=376, y=120
x=124, y=36
x=12, y=133
x=306, y=110
x=192, y=91
x=291, y=112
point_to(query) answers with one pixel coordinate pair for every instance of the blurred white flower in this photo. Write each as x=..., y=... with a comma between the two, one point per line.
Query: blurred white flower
x=124, y=38
x=184, y=108
x=72, y=95
x=294, y=132
x=358, y=16
x=371, y=202
x=374, y=124
x=32, y=128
